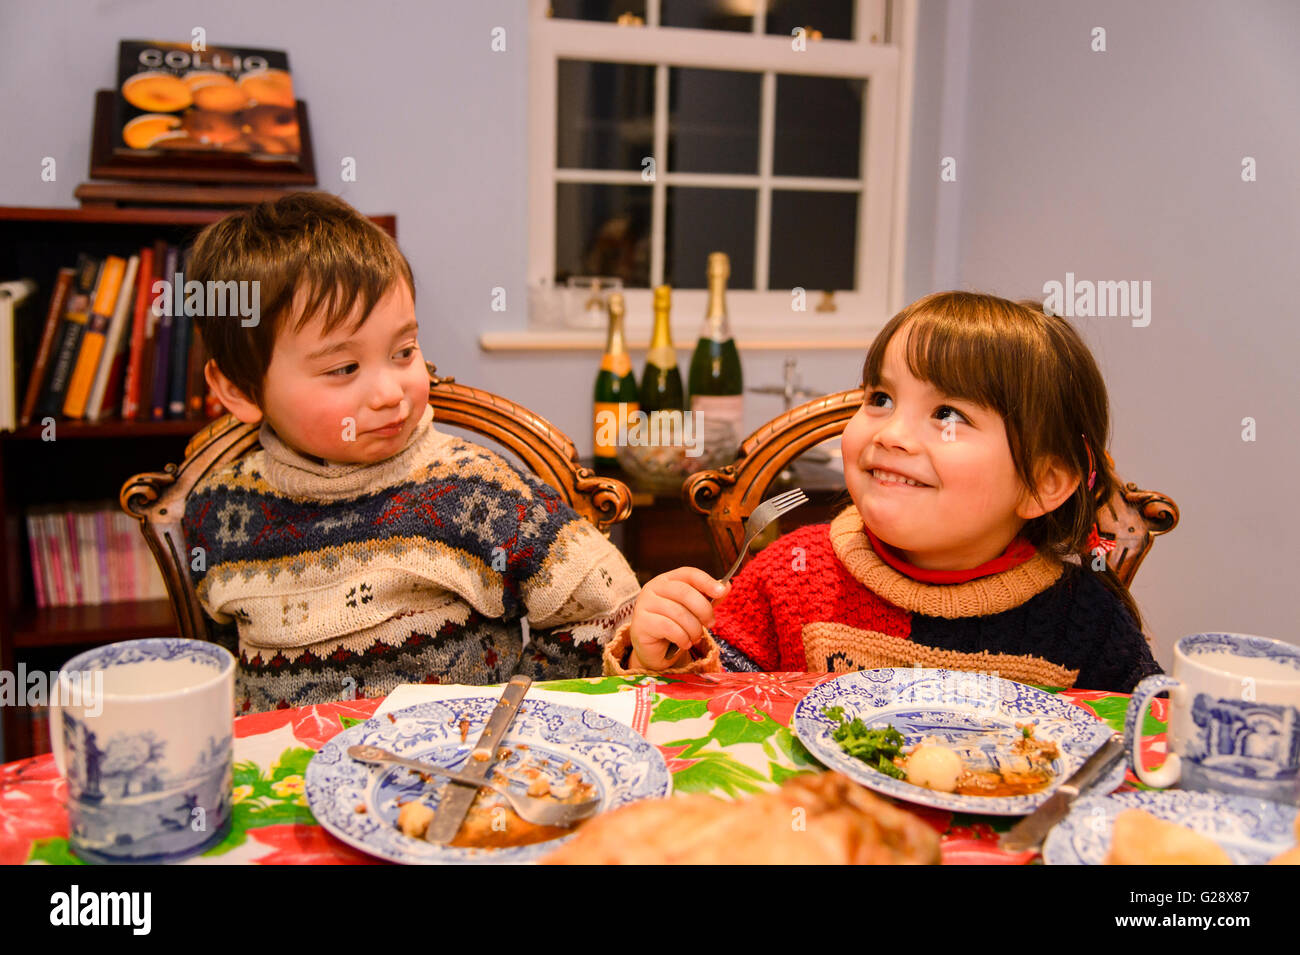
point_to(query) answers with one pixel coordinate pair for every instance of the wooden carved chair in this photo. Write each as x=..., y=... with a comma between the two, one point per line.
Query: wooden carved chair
x=728, y=495
x=157, y=499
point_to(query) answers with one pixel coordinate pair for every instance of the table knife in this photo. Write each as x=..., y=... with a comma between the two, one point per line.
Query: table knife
x=455, y=803
x=1030, y=832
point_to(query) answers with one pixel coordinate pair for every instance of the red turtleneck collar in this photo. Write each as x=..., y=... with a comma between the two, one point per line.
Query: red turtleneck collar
x=1017, y=552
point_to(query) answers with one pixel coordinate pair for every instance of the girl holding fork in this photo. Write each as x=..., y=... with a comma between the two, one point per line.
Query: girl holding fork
x=975, y=468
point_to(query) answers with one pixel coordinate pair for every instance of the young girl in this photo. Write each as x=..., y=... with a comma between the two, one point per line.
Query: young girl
x=976, y=469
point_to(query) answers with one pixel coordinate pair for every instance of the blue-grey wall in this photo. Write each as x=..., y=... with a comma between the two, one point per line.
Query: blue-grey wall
x=1116, y=165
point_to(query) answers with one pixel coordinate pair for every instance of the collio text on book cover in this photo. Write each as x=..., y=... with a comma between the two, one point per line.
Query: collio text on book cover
x=223, y=100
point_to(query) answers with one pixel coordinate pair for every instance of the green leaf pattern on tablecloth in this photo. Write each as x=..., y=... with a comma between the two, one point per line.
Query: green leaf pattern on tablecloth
x=54, y=851
x=717, y=772
x=598, y=684
x=277, y=797
x=670, y=710
x=1112, y=710
x=735, y=754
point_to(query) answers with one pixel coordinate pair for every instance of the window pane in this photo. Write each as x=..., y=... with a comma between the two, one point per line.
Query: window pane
x=814, y=240
x=606, y=11
x=700, y=221
x=604, y=115
x=602, y=230
x=834, y=18
x=713, y=121
x=708, y=14
x=818, y=126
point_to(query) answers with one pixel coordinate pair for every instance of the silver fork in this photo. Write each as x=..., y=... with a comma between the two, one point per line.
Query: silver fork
x=757, y=522
x=763, y=515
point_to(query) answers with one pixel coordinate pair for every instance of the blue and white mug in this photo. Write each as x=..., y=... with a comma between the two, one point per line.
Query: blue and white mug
x=1234, y=717
x=143, y=730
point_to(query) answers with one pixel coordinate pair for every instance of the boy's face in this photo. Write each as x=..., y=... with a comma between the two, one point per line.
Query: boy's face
x=352, y=397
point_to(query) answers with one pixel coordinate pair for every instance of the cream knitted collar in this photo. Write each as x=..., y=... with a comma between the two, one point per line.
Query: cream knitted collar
x=298, y=476
x=974, y=598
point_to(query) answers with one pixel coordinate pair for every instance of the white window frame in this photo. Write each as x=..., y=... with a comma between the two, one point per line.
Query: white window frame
x=757, y=315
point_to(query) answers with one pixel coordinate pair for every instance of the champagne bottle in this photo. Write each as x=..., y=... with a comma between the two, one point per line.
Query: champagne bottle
x=661, y=382
x=616, y=391
x=717, y=385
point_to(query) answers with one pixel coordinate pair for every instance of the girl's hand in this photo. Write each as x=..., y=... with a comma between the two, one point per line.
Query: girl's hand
x=670, y=615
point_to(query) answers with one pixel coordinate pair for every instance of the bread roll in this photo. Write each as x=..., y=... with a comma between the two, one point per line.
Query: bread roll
x=823, y=818
x=1139, y=838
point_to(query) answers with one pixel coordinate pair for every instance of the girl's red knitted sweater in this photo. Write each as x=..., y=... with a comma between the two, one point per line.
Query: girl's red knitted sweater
x=823, y=599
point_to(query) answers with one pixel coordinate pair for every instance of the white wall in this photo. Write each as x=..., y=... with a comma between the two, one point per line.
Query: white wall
x=1127, y=165
x=1113, y=165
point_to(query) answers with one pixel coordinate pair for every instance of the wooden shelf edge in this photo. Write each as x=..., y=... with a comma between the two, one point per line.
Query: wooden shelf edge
x=63, y=428
x=92, y=624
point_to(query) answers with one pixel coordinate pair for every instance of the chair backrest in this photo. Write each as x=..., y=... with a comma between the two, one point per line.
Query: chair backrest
x=726, y=496
x=157, y=499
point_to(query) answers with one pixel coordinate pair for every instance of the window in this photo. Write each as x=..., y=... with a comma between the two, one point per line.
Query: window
x=711, y=127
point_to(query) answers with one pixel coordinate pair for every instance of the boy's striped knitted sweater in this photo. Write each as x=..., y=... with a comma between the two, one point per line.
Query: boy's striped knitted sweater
x=821, y=599
x=350, y=579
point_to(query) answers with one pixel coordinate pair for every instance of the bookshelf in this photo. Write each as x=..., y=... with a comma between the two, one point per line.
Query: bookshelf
x=86, y=462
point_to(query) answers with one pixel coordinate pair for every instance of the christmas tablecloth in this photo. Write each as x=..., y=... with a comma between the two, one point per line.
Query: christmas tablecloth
x=726, y=734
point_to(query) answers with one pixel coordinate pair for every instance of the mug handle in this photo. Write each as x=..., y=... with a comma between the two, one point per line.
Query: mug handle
x=1166, y=774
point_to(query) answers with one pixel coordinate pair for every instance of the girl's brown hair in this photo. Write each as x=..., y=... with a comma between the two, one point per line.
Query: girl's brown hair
x=1035, y=371
x=309, y=242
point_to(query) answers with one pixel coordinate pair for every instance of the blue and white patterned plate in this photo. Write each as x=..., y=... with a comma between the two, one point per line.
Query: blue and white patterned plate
x=1251, y=831
x=973, y=713
x=621, y=764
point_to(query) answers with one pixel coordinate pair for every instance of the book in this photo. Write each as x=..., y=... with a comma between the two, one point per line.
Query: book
x=12, y=316
x=103, y=305
x=66, y=527
x=70, y=331
x=139, y=333
x=145, y=412
x=62, y=596
x=196, y=385
x=113, y=343
x=163, y=339
x=83, y=521
x=222, y=101
x=45, y=349
x=125, y=536
x=108, y=573
x=39, y=571
x=182, y=329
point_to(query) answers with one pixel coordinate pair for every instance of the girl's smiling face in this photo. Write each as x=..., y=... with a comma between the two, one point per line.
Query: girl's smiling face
x=971, y=502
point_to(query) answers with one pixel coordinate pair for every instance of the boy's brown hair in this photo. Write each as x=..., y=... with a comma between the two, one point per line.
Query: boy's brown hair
x=1037, y=373
x=312, y=243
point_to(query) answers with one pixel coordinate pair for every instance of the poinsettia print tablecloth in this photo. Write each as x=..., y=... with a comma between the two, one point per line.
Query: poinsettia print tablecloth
x=726, y=734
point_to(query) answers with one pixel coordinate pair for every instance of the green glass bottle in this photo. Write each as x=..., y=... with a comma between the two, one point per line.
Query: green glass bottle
x=661, y=382
x=616, y=390
x=716, y=382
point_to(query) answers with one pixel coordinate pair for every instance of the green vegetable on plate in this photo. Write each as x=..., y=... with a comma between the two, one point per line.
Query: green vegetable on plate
x=877, y=748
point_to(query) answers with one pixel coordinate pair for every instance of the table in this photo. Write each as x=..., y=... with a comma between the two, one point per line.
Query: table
x=723, y=733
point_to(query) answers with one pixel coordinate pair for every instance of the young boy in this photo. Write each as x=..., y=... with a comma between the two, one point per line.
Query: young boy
x=359, y=547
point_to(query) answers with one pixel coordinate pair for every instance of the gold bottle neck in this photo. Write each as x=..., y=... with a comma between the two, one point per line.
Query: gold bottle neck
x=615, y=344
x=662, y=353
